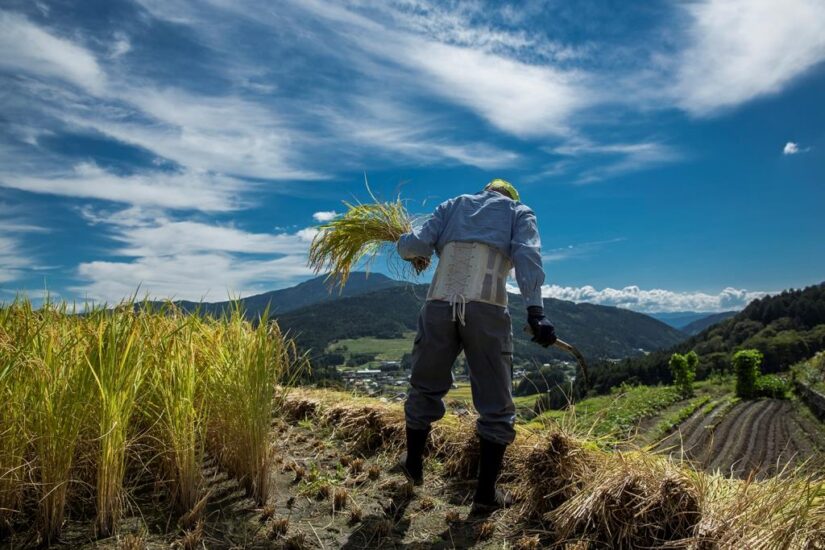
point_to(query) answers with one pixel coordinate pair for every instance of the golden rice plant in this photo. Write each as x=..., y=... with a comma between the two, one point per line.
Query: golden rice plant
x=177, y=387
x=61, y=390
x=358, y=234
x=246, y=364
x=114, y=359
x=14, y=335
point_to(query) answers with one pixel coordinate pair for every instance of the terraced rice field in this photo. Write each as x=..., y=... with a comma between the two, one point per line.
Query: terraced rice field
x=760, y=437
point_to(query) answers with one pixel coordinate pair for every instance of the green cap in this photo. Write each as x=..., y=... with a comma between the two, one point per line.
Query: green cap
x=503, y=186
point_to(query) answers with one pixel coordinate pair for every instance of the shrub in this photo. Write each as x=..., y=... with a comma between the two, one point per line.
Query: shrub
x=771, y=386
x=746, y=364
x=683, y=368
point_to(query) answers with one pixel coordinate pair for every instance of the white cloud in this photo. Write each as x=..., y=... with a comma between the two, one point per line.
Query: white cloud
x=227, y=135
x=620, y=158
x=15, y=258
x=521, y=99
x=578, y=250
x=394, y=129
x=324, y=216
x=121, y=46
x=654, y=300
x=177, y=190
x=742, y=49
x=196, y=276
x=27, y=48
x=793, y=148
x=189, y=259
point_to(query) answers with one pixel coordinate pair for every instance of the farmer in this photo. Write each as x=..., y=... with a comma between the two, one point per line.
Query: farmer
x=478, y=238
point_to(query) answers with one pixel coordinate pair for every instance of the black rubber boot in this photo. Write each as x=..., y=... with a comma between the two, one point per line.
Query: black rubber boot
x=488, y=498
x=412, y=463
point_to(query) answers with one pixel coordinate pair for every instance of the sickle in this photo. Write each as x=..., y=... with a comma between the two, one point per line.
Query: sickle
x=571, y=349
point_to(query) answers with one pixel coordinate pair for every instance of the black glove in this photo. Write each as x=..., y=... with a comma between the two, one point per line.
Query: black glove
x=543, y=331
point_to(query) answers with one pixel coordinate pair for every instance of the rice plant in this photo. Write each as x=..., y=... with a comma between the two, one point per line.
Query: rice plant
x=178, y=386
x=14, y=336
x=245, y=367
x=61, y=388
x=359, y=234
x=114, y=359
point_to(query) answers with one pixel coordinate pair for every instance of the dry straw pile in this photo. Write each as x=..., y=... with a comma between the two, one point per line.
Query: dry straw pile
x=79, y=392
x=577, y=494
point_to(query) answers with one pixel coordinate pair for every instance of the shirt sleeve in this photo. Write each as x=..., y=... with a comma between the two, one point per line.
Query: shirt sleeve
x=525, y=251
x=420, y=243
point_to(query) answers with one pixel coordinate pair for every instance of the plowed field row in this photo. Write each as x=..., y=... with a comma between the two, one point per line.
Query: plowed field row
x=753, y=437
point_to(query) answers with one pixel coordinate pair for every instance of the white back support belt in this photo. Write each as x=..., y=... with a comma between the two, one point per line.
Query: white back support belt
x=470, y=272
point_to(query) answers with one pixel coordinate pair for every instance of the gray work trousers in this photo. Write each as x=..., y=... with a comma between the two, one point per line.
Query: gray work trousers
x=487, y=341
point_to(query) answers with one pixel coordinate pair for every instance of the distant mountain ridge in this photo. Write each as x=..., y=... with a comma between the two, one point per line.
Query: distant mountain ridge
x=598, y=331
x=680, y=319
x=701, y=324
x=304, y=294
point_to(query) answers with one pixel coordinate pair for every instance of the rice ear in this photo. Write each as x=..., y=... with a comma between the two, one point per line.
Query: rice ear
x=359, y=234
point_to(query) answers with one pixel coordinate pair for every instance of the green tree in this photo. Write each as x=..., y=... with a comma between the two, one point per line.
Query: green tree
x=746, y=365
x=683, y=368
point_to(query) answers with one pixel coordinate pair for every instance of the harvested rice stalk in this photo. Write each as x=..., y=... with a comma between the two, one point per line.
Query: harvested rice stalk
x=632, y=502
x=551, y=473
x=359, y=233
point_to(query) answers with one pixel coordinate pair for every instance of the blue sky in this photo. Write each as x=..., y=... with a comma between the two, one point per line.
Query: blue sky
x=672, y=151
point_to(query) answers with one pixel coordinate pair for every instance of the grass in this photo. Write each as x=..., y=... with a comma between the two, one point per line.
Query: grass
x=77, y=392
x=611, y=416
x=670, y=421
x=384, y=349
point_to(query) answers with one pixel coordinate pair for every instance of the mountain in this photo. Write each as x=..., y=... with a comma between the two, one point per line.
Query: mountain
x=786, y=328
x=305, y=294
x=598, y=331
x=695, y=327
x=679, y=319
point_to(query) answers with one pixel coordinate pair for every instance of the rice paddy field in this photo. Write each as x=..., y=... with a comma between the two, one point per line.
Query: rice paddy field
x=139, y=428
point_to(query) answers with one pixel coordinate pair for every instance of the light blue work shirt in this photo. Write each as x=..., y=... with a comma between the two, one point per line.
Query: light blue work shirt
x=487, y=217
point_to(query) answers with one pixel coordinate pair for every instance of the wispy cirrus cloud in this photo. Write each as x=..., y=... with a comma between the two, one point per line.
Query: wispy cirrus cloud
x=578, y=250
x=28, y=48
x=738, y=50
x=590, y=161
x=170, y=189
x=16, y=259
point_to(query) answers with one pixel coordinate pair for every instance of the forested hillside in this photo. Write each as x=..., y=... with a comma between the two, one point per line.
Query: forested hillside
x=598, y=331
x=786, y=328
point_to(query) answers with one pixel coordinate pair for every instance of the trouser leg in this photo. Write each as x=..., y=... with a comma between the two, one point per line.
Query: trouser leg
x=488, y=345
x=437, y=344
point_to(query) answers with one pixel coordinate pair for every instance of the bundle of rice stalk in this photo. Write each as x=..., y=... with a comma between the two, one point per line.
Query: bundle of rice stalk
x=552, y=472
x=366, y=428
x=359, y=234
x=637, y=501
